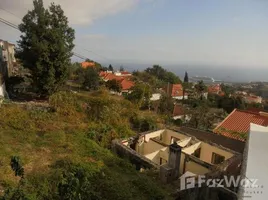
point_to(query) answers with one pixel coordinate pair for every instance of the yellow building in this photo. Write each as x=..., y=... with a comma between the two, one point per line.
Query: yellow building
x=196, y=156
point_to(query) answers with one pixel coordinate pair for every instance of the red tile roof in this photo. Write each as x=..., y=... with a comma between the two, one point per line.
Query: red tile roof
x=126, y=84
x=87, y=64
x=125, y=73
x=238, y=122
x=215, y=89
x=174, y=90
x=110, y=76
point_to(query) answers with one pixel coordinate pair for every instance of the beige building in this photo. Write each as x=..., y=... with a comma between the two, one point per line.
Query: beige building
x=196, y=156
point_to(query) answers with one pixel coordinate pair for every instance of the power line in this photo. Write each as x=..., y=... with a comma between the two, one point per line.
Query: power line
x=17, y=28
x=9, y=23
x=77, y=55
x=10, y=13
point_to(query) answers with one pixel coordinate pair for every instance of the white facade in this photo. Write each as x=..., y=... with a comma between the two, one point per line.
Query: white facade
x=155, y=97
x=180, y=97
x=255, y=164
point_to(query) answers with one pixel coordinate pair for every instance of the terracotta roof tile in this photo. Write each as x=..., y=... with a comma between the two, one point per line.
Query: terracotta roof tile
x=126, y=84
x=87, y=64
x=214, y=89
x=239, y=122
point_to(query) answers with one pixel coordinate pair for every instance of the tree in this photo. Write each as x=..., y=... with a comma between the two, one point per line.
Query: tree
x=89, y=78
x=110, y=68
x=186, y=78
x=163, y=75
x=121, y=69
x=45, y=47
x=200, y=88
x=114, y=85
x=166, y=105
x=140, y=95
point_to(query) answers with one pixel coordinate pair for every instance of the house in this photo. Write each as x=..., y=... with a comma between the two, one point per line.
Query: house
x=175, y=91
x=155, y=97
x=179, y=112
x=88, y=64
x=184, y=153
x=126, y=84
x=237, y=124
x=215, y=89
x=252, y=99
x=123, y=73
x=255, y=163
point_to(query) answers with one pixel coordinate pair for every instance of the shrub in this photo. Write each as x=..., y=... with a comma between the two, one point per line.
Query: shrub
x=64, y=102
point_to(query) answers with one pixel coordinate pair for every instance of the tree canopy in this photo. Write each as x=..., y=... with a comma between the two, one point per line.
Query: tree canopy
x=46, y=46
x=110, y=68
x=89, y=78
x=163, y=75
x=140, y=95
x=186, y=78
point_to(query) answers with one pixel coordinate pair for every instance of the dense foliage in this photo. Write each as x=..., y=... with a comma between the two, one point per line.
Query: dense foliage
x=60, y=149
x=163, y=75
x=88, y=78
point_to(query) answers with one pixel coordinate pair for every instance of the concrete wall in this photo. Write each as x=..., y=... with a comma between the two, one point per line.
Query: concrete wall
x=169, y=134
x=151, y=147
x=196, y=168
x=154, y=134
x=164, y=153
x=207, y=150
x=135, y=158
x=155, y=156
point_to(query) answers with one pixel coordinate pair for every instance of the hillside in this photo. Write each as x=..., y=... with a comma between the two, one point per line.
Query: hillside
x=63, y=146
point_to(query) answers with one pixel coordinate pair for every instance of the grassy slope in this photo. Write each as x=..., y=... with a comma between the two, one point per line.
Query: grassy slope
x=41, y=138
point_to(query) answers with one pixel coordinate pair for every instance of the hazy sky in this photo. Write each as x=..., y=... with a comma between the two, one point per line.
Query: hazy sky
x=203, y=32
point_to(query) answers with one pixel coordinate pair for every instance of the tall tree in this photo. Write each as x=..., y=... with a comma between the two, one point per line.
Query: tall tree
x=46, y=46
x=186, y=78
x=185, y=83
x=121, y=69
x=110, y=68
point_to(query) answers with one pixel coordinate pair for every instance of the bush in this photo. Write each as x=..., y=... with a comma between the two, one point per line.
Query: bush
x=143, y=123
x=64, y=102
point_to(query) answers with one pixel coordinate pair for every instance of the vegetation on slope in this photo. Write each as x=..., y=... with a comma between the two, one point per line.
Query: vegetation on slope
x=61, y=147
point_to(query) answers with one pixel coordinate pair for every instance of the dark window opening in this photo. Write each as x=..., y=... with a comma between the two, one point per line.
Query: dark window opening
x=217, y=159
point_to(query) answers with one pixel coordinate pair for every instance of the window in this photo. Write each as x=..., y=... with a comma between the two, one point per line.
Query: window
x=217, y=159
x=197, y=153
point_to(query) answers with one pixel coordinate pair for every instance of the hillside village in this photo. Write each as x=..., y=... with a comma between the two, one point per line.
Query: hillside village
x=208, y=125
x=86, y=130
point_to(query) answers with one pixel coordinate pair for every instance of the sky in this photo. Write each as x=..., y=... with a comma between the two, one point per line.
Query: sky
x=229, y=33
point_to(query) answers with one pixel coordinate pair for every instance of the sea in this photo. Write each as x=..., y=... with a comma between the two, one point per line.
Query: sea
x=222, y=73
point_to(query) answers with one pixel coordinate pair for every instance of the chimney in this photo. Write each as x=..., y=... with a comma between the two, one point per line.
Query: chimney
x=174, y=159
